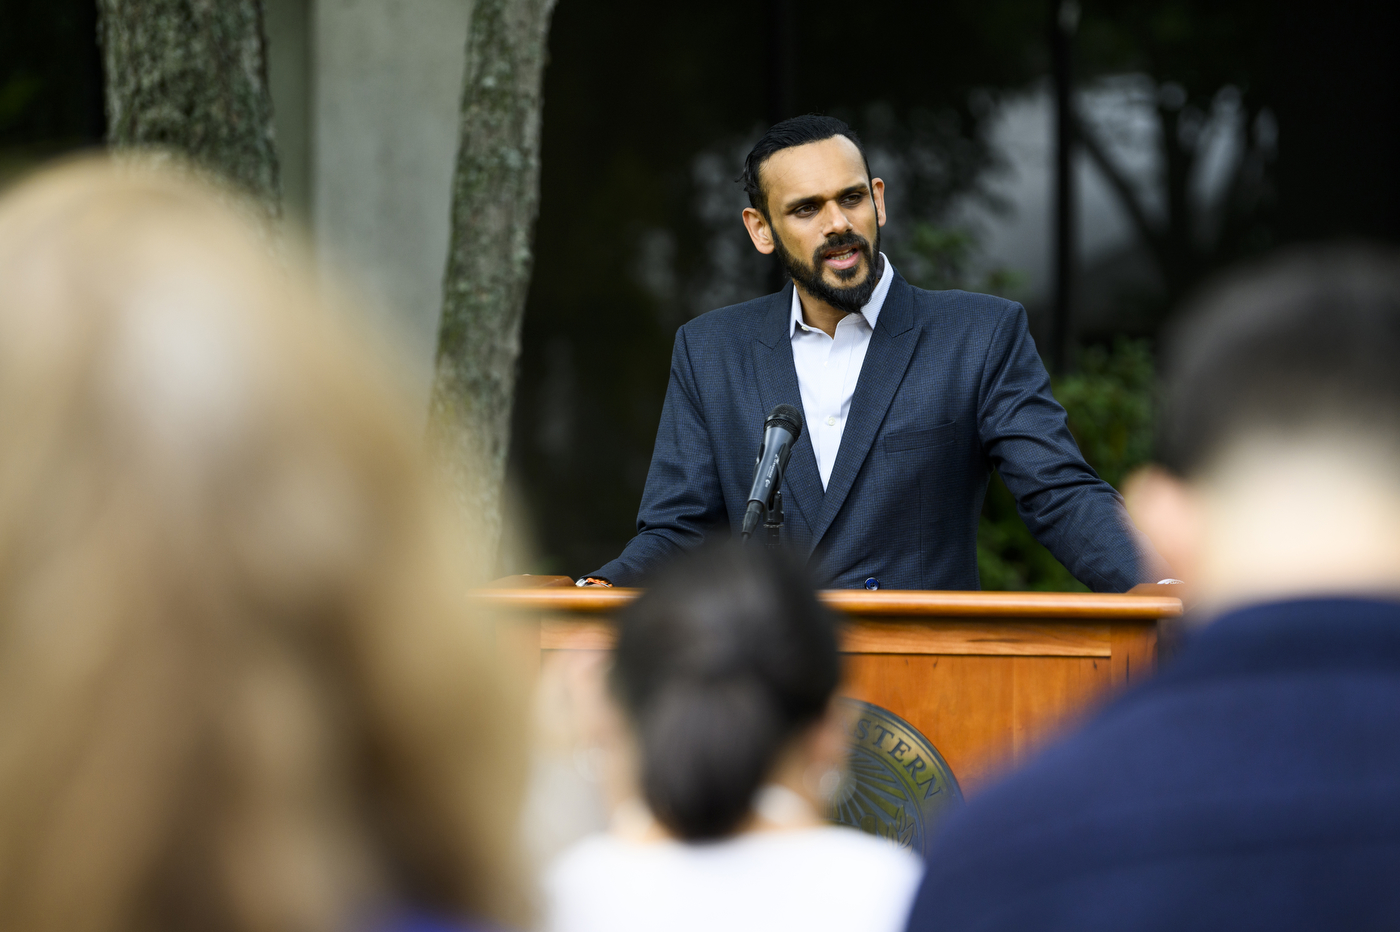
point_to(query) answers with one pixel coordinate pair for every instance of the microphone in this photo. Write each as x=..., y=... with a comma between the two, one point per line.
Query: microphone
x=780, y=431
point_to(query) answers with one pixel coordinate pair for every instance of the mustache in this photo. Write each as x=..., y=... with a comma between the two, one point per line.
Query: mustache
x=839, y=243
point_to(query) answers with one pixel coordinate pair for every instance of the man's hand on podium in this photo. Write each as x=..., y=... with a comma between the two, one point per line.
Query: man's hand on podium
x=594, y=581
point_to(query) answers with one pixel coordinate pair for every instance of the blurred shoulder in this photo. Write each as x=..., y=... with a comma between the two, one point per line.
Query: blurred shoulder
x=845, y=864
x=593, y=867
x=593, y=852
x=428, y=922
x=856, y=853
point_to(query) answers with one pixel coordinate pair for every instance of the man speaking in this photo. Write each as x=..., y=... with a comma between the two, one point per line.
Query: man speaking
x=910, y=399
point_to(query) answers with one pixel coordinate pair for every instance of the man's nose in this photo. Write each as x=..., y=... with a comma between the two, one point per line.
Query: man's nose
x=834, y=220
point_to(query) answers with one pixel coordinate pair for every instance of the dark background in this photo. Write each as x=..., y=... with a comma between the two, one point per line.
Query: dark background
x=634, y=91
x=649, y=108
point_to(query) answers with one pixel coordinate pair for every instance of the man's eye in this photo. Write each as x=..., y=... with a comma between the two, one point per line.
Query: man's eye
x=806, y=210
x=851, y=200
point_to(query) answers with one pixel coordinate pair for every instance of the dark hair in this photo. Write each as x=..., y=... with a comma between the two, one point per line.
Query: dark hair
x=718, y=665
x=797, y=131
x=1308, y=339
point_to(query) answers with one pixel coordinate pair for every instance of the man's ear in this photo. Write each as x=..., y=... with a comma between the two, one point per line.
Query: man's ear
x=760, y=230
x=1168, y=511
x=877, y=193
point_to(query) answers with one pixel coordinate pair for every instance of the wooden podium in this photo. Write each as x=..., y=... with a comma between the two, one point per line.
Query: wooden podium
x=987, y=677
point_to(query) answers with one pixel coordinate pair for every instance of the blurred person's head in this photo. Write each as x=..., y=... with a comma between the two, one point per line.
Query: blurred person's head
x=1280, y=434
x=239, y=686
x=816, y=205
x=725, y=670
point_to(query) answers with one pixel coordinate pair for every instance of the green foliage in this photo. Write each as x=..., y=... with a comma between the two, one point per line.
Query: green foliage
x=939, y=258
x=16, y=94
x=1108, y=400
x=1109, y=403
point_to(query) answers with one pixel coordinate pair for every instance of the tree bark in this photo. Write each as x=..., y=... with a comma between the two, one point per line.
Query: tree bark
x=190, y=76
x=495, y=200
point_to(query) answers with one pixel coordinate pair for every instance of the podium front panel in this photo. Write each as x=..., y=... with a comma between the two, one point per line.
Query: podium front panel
x=987, y=678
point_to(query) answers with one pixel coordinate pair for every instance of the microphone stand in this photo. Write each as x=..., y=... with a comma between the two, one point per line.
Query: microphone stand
x=773, y=523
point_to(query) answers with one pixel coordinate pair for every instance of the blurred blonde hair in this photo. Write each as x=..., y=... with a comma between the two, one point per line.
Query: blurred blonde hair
x=241, y=687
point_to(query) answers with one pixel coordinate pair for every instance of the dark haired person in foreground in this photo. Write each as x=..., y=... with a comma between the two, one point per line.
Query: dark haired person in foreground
x=911, y=398
x=1255, y=783
x=725, y=672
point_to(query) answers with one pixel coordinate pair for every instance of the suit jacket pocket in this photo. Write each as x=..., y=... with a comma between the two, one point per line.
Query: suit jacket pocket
x=925, y=438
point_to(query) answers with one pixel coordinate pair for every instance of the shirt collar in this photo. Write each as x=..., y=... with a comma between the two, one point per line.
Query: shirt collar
x=871, y=311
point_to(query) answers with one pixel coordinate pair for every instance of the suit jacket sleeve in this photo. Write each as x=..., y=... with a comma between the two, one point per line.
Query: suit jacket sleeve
x=682, y=499
x=1075, y=514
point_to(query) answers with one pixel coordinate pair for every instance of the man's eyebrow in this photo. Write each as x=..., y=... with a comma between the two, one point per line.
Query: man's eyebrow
x=795, y=203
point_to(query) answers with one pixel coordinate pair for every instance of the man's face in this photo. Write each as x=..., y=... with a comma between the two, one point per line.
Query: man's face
x=824, y=217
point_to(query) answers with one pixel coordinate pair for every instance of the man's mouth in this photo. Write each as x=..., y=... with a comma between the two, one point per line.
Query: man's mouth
x=844, y=257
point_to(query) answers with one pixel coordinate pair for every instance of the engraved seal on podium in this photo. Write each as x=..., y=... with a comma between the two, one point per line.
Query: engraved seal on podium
x=896, y=786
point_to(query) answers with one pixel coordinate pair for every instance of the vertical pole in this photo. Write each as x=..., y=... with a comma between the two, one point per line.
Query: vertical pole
x=781, y=77
x=782, y=81
x=1064, y=19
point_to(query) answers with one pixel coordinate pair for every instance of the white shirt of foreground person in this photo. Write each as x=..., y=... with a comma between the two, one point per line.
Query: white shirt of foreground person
x=829, y=878
x=829, y=367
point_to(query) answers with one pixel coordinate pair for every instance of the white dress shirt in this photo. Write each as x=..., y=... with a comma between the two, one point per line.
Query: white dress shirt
x=828, y=368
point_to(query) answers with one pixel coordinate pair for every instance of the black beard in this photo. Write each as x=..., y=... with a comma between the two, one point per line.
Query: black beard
x=850, y=298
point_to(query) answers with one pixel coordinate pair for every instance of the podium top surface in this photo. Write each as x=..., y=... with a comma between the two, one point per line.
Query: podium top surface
x=1083, y=606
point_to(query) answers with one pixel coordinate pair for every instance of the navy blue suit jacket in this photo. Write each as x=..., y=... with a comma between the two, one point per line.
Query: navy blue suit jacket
x=1253, y=784
x=951, y=387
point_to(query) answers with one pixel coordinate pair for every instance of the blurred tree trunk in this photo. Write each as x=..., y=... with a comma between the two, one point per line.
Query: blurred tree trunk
x=190, y=76
x=495, y=199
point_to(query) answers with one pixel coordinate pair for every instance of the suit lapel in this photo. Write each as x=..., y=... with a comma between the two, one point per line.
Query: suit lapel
x=776, y=376
x=886, y=359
